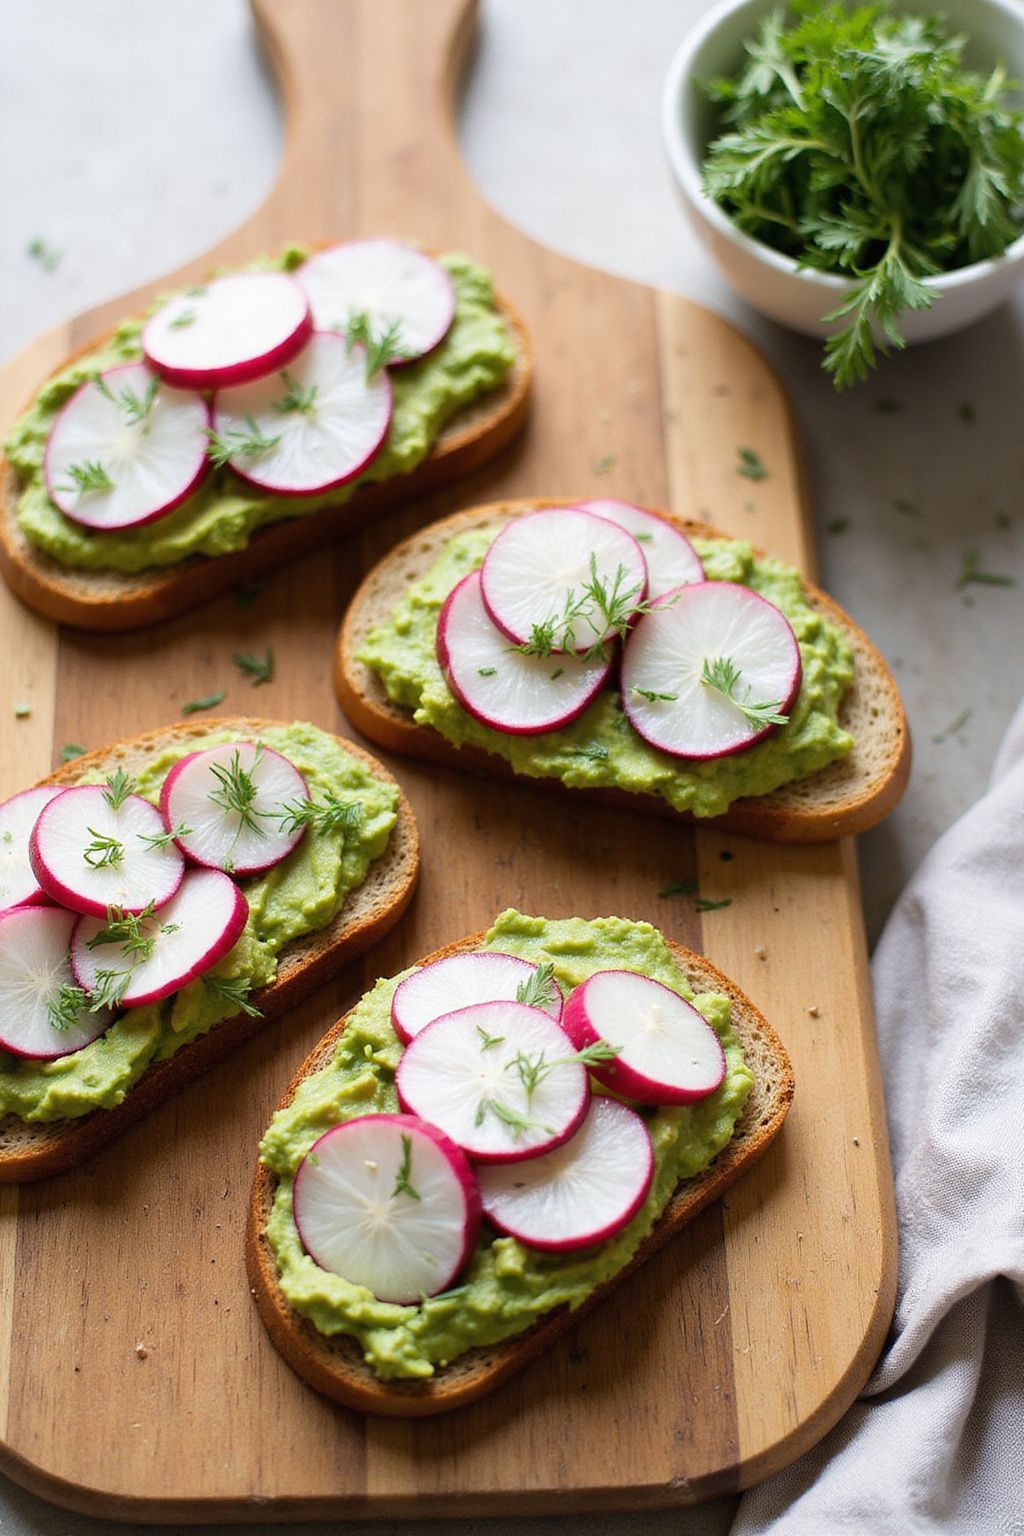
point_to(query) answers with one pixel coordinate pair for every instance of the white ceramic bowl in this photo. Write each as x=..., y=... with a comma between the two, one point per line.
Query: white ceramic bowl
x=770, y=281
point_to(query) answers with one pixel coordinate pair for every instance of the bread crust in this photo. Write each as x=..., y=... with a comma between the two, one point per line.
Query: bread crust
x=115, y=600
x=57, y=1146
x=336, y=1367
x=840, y=800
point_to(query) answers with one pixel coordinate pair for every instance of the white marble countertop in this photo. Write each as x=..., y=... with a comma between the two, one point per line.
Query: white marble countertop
x=134, y=135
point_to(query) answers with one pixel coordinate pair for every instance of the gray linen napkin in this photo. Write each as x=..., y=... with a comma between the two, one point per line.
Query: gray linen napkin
x=935, y=1444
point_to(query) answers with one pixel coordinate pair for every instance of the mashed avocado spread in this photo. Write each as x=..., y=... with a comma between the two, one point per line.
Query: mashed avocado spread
x=300, y=895
x=601, y=748
x=473, y=358
x=506, y=1285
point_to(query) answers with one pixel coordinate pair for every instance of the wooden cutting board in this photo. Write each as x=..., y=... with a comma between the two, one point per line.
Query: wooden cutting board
x=135, y=1378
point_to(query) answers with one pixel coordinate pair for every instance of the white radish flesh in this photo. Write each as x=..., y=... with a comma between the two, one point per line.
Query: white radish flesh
x=389, y=1203
x=230, y=805
x=40, y=1015
x=314, y=426
x=711, y=629
x=458, y=981
x=18, y=816
x=536, y=572
x=186, y=938
x=499, y=686
x=668, y=1052
x=89, y=854
x=126, y=449
x=499, y=1078
x=583, y=1192
x=390, y=283
x=230, y=330
x=671, y=559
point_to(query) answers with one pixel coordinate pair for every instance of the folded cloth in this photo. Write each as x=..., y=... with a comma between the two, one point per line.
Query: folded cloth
x=935, y=1443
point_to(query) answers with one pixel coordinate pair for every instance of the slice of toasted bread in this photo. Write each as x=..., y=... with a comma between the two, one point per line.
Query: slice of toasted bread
x=116, y=600
x=848, y=796
x=335, y=1366
x=34, y=1151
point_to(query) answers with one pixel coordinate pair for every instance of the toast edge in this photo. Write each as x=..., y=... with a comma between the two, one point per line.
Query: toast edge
x=357, y=1387
x=70, y=1143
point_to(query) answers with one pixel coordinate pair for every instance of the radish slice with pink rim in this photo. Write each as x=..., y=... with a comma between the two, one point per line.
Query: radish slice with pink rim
x=710, y=670
x=389, y=1203
x=458, y=981
x=537, y=569
x=235, y=807
x=667, y=1051
x=164, y=952
x=18, y=816
x=471, y=1073
x=89, y=853
x=311, y=427
x=229, y=330
x=581, y=1193
x=390, y=283
x=40, y=1014
x=126, y=449
x=519, y=695
x=671, y=559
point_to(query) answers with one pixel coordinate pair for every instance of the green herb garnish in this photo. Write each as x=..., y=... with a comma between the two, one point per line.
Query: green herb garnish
x=125, y=928
x=134, y=407
x=239, y=444
x=119, y=786
x=234, y=990
x=723, y=675
x=653, y=697
x=486, y=1040
x=837, y=525
x=186, y=317
x=70, y=750
x=161, y=840
x=538, y=990
x=678, y=888
x=48, y=257
x=65, y=1010
x=856, y=141
x=382, y=349
x=971, y=572
x=88, y=476
x=236, y=791
x=750, y=465
x=404, y=1174
x=207, y=701
x=707, y=904
x=487, y=671
x=330, y=814
x=604, y=464
x=110, y=988
x=259, y=668
x=297, y=398
x=103, y=852
x=954, y=727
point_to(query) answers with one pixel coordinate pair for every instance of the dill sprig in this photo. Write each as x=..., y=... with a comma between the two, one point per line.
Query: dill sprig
x=125, y=928
x=239, y=444
x=539, y=990
x=234, y=990
x=135, y=408
x=296, y=398
x=403, y=1184
x=326, y=816
x=64, y=1011
x=607, y=606
x=88, y=476
x=158, y=841
x=104, y=852
x=119, y=786
x=722, y=674
x=236, y=791
x=381, y=349
x=259, y=668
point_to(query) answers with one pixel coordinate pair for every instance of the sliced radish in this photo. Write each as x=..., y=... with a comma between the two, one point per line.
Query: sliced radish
x=389, y=1203
x=668, y=1052
x=42, y=1013
x=313, y=426
x=501, y=1079
x=127, y=448
x=581, y=1193
x=520, y=695
x=713, y=630
x=536, y=573
x=232, y=806
x=230, y=330
x=671, y=559
x=18, y=816
x=480, y=976
x=165, y=951
x=388, y=282
x=91, y=850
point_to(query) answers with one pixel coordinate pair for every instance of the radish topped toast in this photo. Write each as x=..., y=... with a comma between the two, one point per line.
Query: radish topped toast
x=427, y=1215
x=160, y=899
x=632, y=657
x=228, y=423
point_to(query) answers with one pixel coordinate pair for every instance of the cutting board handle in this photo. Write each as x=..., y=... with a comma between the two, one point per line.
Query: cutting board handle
x=368, y=90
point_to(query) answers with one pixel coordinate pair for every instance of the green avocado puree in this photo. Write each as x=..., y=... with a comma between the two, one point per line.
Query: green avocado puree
x=506, y=1285
x=221, y=517
x=298, y=896
x=601, y=748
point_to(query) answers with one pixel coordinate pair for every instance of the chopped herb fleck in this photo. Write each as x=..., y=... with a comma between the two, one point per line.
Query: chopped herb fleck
x=679, y=888
x=604, y=464
x=487, y=671
x=48, y=257
x=234, y=990
x=967, y=413
x=707, y=904
x=652, y=697
x=539, y=989
x=971, y=573
x=403, y=1185
x=70, y=750
x=186, y=317
x=750, y=465
x=954, y=727
x=208, y=701
x=259, y=668
x=837, y=525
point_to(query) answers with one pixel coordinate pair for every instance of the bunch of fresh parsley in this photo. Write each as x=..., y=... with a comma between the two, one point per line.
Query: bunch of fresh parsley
x=857, y=142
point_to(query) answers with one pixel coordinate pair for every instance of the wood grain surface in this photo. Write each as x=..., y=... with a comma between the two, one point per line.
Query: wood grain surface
x=135, y=1377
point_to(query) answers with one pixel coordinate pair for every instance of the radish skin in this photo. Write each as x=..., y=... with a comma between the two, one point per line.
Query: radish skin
x=667, y=1051
x=389, y=1203
x=480, y=976
x=34, y=968
x=63, y=834
x=580, y=1194
x=228, y=331
x=18, y=816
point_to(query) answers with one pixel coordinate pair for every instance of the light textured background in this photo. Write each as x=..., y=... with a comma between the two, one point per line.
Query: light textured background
x=134, y=134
